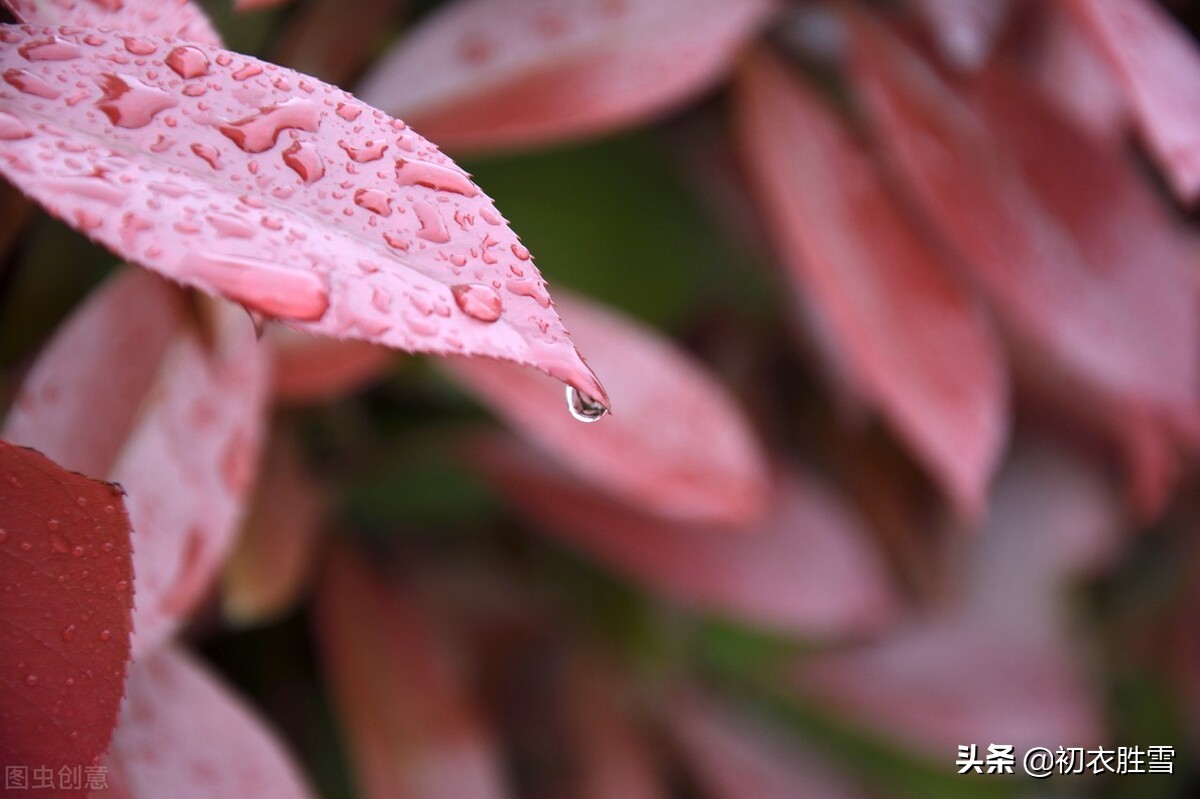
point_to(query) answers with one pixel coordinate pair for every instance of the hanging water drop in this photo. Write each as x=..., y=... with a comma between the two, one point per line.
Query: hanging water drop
x=583, y=407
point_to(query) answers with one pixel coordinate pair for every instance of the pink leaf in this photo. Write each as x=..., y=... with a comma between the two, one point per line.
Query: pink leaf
x=649, y=453
x=271, y=189
x=965, y=30
x=186, y=458
x=1160, y=66
x=316, y=369
x=1084, y=270
x=183, y=734
x=407, y=719
x=732, y=757
x=807, y=569
x=485, y=74
x=277, y=548
x=173, y=19
x=905, y=333
x=64, y=636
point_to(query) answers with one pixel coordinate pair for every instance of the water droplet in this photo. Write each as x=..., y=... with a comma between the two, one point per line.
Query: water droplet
x=348, y=112
x=478, y=301
x=129, y=103
x=68, y=632
x=78, y=551
x=122, y=586
x=529, y=288
x=395, y=240
x=25, y=81
x=374, y=201
x=432, y=227
x=208, y=153
x=52, y=525
x=229, y=226
x=139, y=46
x=12, y=128
x=303, y=159
x=31, y=680
x=583, y=407
x=104, y=635
x=520, y=251
x=260, y=285
x=249, y=71
x=433, y=176
x=3, y=535
x=188, y=61
x=58, y=544
x=365, y=153
x=258, y=132
x=52, y=49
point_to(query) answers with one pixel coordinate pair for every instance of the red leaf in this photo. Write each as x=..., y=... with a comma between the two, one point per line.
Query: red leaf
x=324, y=41
x=649, y=453
x=183, y=734
x=1160, y=66
x=905, y=333
x=277, y=548
x=734, y=758
x=405, y=714
x=268, y=188
x=486, y=74
x=177, y=19
x=64, y=641
x=316, y=369
x=807, y=569
x=256, y=5
x=1084, y=270
x=186, y=457
x=964, y=30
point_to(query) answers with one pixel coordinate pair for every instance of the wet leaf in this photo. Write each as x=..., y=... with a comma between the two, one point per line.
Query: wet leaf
x=1160, y=66
x=179, y=429
x=406, y=715
x=907, y=336
x=273, y=190
x=1085, y=272
x=964, y=30
x=179, y=19
x=650, y=453
x=732, y=757
x=184, y=734
x=808, y=569
x=487, y=74
x=314, y=369
x=276, y=551
x=64, y=642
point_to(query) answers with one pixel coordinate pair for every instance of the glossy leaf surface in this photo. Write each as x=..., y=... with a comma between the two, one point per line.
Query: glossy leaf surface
x=181, y=436
x=807, y=569
x=907, y=335
x=647, y=453
x=312, y=369
x=485, y=74
x=65, y=615
x=273, y=190
x=184, y=734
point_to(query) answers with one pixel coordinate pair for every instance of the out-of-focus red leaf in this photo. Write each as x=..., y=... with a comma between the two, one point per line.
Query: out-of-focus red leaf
x=407, y=720
x=275, y=553
x=324, y=41
x=257, y=5
x=964, y=30
x=1160, y=66
x=734, y=758
x=308, y=368
x=610, y=756
x=933, y=686
x=271, y=189
x=678, y=446
x=1074, y=74
x=907, y=336
x=187, y=452
x=65, y=616
x=807, y=569
x=1086, y=273
x=176, y=19
x=487, y=74
x=183, y=734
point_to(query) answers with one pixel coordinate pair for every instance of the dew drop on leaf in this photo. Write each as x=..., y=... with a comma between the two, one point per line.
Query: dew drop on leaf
x=583, y=407
x=478, y=301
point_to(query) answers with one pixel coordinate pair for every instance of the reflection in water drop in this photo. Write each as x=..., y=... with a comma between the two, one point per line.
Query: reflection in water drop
x=583, y=407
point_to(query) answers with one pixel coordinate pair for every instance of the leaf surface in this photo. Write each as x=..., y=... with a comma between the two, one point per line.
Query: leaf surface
x=315, y=369
x=905, y=333
x=807, y=569
x=271, y=189
x=406, y=715
x=964, y=30
x=486, y=74
x=181, y=432
x=679, y=446
x=172, y=19
x=65, y=619
x=1160, y=67
x=184, y=734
